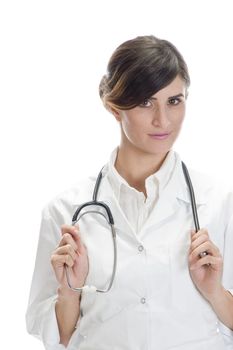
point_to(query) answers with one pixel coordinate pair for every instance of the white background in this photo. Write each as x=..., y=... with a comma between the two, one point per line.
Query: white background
x=54, y=129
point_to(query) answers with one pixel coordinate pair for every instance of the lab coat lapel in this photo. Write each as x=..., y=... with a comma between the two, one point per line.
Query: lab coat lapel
x=167, y=205
x=173, y=196
x=120, y=221
x=106, y=195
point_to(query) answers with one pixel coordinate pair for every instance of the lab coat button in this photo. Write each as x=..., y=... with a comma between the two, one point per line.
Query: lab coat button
x=140, y=248
x=143, y=300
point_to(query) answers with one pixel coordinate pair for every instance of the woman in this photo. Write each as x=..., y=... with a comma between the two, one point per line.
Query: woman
x=173, y=285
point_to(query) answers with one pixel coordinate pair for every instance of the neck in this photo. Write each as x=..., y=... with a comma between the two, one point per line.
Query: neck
x=135, y=166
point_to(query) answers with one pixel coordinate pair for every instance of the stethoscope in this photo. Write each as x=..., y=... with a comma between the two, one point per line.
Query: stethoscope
x=77, y=216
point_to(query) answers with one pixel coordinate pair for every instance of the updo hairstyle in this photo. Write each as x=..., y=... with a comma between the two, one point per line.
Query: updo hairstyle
x=138, y=69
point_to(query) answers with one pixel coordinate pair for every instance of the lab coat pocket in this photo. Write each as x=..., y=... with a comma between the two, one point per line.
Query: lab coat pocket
x=108, y=307
x=192, y=316
x=98, y=309
x=183, y=290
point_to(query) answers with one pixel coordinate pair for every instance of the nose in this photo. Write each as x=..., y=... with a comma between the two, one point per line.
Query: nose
x=160, y=117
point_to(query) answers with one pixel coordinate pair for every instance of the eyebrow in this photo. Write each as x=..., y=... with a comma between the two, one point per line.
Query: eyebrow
x=171, y=97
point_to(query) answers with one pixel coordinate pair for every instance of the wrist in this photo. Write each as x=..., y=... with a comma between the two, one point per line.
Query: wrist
x=67, y=294
x=217, y=296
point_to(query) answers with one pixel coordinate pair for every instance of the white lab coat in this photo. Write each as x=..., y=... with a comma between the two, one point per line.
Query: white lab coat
x=153, y=303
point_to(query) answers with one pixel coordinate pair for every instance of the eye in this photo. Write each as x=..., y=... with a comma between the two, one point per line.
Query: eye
x=174, y=101
x=146, y=103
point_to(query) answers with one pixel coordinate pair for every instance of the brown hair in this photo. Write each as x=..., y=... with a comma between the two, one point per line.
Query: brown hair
x=139, y=68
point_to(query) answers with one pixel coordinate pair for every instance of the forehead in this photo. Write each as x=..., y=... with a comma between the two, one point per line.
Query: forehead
x=177, y=86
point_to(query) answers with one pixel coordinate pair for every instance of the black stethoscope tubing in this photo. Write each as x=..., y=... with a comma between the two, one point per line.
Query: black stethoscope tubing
x=95, y=202
x=110, y=216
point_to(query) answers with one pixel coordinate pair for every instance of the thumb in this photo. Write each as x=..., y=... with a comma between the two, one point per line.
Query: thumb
x=78, y=239
x=76, y=225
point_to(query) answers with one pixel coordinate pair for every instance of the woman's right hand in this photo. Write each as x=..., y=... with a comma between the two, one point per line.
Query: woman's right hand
x=73, y=253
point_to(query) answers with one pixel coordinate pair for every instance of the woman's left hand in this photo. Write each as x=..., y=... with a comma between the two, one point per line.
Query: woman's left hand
x=206, y=272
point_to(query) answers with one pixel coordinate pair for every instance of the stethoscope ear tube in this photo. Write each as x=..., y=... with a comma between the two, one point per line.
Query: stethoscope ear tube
x=192, y=197
x=110, y=220
x=193, y=203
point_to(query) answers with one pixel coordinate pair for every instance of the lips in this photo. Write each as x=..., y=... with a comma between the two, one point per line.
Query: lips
x=159, y=136
x=163, y=134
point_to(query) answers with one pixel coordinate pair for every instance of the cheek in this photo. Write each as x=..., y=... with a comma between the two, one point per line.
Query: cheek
x=178, y=118
x=133, y=131
x=131, y=124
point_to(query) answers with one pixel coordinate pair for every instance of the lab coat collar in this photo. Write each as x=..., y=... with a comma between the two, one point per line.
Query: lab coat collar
x=176, y=186
x=154, y=182
x=171, y=198
x=201, y=184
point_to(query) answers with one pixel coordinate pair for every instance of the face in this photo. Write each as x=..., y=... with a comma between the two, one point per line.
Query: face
x=153, y=126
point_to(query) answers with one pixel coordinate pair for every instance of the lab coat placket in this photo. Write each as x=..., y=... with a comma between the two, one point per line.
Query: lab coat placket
x=151, y=292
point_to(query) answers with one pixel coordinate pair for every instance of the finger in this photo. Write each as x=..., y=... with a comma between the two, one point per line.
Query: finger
x=203, y=247
x=67, y=238
x=80, y=244
x=209, y=260
x=199, y=233
x=66, y=249
x=71, y=229
x=197, y=238
x=74, y=232
x=57, y=260
x=198, y=241
x=207, y=247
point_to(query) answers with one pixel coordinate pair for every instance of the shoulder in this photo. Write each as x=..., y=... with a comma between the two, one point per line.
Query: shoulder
x=212, y=190
x=211, y=184
x=207, y=187
x=62, y=206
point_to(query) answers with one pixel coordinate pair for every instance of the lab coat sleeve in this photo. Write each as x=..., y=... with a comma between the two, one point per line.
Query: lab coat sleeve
x=228, y=269
x=40, y=316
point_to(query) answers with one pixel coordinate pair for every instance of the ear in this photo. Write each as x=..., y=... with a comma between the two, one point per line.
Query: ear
x=116, y=113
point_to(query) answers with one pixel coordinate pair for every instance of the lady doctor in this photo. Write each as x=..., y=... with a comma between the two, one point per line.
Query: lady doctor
x=165, y=295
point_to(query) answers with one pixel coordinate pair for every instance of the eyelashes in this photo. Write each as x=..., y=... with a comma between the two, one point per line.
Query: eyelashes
x=148, y=103
x=177, y=100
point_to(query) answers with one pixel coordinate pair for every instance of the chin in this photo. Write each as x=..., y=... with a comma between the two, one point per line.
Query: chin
x=155, y=151
x=161, y=147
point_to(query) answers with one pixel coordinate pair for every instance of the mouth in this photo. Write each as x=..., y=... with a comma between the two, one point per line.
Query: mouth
x=159, y=136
